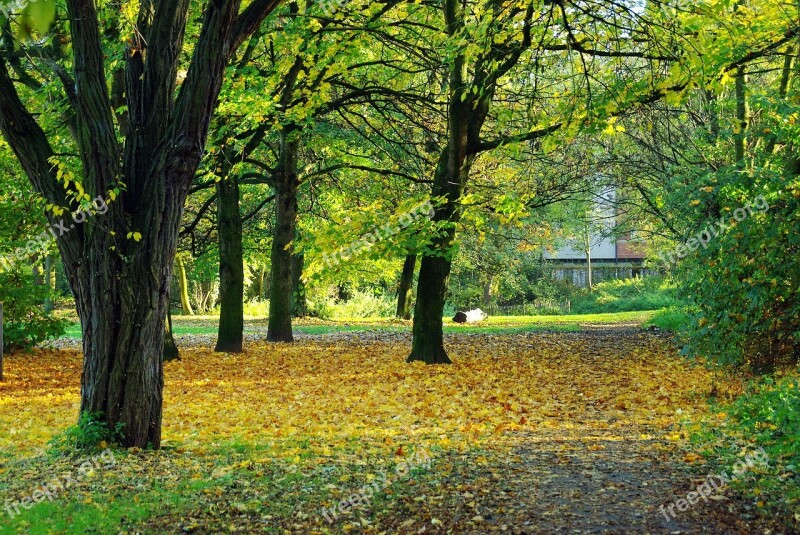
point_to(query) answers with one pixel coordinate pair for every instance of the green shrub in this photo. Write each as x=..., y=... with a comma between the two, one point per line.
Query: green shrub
x=90, y=431
x=767, y=416
x=745, y=281
x=675, y=320
x=361, y=304
x=628, y=295
x=24, y=322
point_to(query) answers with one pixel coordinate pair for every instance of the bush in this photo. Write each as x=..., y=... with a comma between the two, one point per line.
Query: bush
x=671, y=319
x=24, y=322
x=628, y=295
x=745, y=281
x=767, y=416
x=90, y=432
x=360, y=305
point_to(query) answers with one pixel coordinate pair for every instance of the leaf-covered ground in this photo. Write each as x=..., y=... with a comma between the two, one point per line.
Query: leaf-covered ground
x=525, y=433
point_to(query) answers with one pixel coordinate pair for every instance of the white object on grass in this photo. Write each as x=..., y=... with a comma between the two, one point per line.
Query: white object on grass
x=476, y=315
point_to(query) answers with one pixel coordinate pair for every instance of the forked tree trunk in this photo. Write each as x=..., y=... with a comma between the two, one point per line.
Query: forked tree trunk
x=405, y=288
x=279, y=328
x=119, y=263
x=469, y=103
x=231, y=268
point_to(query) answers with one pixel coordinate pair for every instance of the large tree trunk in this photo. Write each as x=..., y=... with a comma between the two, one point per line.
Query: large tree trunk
x=119, y=267
x=428, y=338
x=122, y=305
x=467, y=111
x=279, y=328
x=231, y=268
x=428, y=344
x=405, y=288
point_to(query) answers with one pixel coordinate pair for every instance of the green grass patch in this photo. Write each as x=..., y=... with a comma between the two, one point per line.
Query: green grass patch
x=766, y=416
x=207, y=325
x=236, y=484
x=675, y=320
x=648, y=293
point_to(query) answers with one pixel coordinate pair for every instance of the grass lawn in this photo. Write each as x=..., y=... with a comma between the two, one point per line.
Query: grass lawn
x=207, y=325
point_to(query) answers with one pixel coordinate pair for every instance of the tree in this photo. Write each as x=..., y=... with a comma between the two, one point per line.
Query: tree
x=119, y=265
x=405, y=287
x=560, y=69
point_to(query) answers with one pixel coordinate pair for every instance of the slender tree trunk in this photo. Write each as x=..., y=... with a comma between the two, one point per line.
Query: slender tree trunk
x=183, y=284
x=49, y=280
x=279, y=328
x=486, y=301
x=298, y=288
x=231, y=268
x=405, y=288
x=742, y=115
x=36, y=272
x=588, y=250
x=170, y=347
x=262, y=273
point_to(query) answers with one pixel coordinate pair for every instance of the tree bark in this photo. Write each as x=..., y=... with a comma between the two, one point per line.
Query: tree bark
x=231, y=268
x=428, y=339
x=405, y=287
x=279, y=328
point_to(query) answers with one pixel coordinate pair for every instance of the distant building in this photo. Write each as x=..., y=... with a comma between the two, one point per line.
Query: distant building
x=610, y=257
